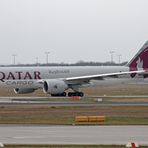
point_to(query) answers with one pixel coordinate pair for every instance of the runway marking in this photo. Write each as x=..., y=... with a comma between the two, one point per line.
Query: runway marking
x=27, y=137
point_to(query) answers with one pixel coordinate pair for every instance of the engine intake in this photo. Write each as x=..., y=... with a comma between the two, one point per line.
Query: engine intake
x=54, y=86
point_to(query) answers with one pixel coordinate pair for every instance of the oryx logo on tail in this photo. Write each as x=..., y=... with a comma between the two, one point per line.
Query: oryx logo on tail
x=140, y=60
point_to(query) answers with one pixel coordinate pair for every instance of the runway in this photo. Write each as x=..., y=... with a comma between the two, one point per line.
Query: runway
x=27, y=134
x=62, y=103
x=47, y=101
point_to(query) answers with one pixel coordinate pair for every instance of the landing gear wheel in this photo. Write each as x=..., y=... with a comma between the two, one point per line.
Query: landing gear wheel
x=79, y=94
x=64, y=94
x=59, y=95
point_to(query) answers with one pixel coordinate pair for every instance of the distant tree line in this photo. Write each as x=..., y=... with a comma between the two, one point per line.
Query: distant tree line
x=80, y=63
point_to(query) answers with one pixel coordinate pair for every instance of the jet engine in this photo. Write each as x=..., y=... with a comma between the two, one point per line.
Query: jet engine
x=55, y=87
x=23, y=90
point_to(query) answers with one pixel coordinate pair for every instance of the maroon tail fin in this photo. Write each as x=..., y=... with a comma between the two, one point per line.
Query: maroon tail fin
x=140, y=60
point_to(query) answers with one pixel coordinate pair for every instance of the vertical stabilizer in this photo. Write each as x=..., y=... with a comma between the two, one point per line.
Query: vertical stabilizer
x=140, y=60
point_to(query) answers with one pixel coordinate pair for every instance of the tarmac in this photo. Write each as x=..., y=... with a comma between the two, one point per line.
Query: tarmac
x=47, y=101
x=36, y=134
x=44, y=134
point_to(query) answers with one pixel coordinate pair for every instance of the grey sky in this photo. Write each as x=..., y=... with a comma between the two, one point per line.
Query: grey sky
x=71, y=30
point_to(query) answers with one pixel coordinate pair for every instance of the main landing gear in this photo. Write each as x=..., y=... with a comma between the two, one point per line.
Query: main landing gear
x=70, y=94
x=59, y=95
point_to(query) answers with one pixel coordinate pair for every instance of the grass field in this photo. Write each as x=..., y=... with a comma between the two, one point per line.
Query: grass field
x=44, y=114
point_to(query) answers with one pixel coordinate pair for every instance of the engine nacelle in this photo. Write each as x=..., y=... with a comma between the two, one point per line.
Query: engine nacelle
x=54, y=86
x=23, y=90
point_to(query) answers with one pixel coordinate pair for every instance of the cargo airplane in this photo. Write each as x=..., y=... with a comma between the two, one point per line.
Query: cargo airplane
x=56, y=80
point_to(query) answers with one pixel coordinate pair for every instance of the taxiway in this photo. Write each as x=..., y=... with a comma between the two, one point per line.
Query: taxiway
x=47, y=101
x=33, y=134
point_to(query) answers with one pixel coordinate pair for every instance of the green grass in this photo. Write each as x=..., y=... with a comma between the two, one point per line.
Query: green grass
x=44, y=114
x=126, y=121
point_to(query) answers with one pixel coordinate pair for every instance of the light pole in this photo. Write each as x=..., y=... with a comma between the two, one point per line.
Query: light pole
x=47, y=53
x=37, y=61
x=112, y=54
x=14, y=55
x=119, y=58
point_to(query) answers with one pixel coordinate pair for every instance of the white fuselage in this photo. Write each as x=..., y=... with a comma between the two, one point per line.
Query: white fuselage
x=28, y=77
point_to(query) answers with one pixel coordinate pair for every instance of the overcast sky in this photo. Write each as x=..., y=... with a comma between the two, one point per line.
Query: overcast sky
x=71, y=30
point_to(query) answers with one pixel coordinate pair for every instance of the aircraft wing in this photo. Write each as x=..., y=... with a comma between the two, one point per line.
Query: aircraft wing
x=87, y=78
